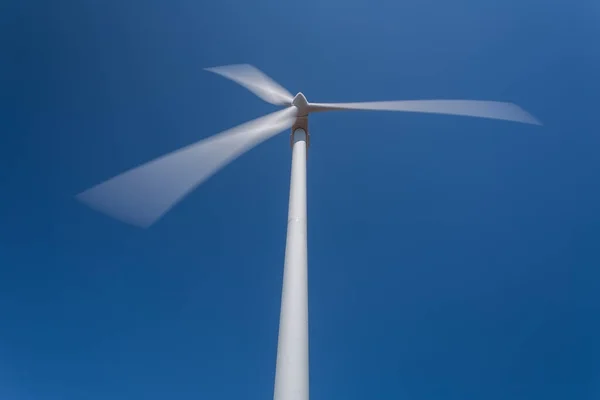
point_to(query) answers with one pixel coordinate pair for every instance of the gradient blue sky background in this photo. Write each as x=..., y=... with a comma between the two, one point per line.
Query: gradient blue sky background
x=450, y=258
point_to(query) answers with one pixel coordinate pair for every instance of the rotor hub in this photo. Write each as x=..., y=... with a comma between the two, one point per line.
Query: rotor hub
x=301, y=104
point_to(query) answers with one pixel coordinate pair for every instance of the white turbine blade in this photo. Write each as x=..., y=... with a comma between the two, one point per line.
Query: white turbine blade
x=256, y=81
x=471, y=108
x=142, y=195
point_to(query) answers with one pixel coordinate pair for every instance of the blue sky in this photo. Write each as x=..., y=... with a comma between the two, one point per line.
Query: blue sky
x=449, y=258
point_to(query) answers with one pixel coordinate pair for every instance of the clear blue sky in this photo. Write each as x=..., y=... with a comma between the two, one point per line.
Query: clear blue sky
x=449, y=258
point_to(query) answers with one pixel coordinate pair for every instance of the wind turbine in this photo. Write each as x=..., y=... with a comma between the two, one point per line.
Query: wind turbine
x=142, y=195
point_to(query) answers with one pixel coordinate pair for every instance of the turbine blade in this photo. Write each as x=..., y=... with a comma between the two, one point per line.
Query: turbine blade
x=142, y=195
x=471, y=108
x=256, y=81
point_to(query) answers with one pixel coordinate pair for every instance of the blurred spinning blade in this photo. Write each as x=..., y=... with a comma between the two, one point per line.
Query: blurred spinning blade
x=256, y=81
x=142, y=195
x=470, y=108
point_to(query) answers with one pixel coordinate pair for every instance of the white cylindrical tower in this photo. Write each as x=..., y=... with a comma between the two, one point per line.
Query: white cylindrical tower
x=291, y=372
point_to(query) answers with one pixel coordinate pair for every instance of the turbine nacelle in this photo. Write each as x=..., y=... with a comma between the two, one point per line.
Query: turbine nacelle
x=301, y=122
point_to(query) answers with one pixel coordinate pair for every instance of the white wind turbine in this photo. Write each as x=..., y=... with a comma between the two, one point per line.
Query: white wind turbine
x=142, y=195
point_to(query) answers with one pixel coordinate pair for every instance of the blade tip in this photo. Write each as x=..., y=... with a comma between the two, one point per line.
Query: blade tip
x=530, y=119
x=536, y=121
x=526, y=116
x=138, y=222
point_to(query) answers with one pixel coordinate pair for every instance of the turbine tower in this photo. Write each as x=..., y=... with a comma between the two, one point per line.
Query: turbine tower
x=142, y=195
